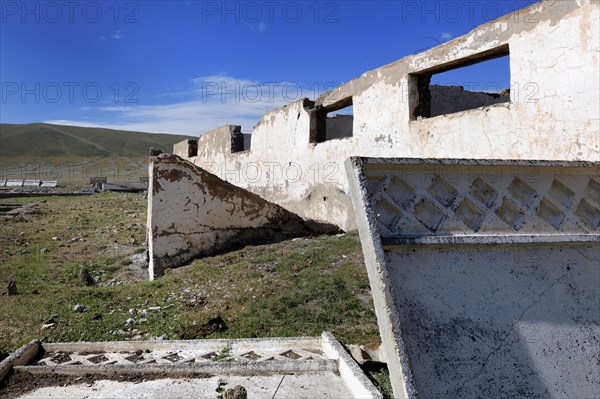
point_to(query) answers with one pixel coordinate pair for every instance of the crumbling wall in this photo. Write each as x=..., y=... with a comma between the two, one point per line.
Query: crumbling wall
x=192, y=213
x=339, y=126
x=553, y=113
x=451, y=99
x=484, y=274
x=186, y=148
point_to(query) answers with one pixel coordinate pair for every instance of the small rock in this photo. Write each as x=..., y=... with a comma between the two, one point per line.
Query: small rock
x=129, y=321
x=341, y=235
x=85, y=277
x=79, y=308
x=154, y=152
x=54, y=238
x=96, y=316
x=237, y=392
x=43, y=251
x=11, y=288
x=154, y=308
x=48, y=326
x=359, y=355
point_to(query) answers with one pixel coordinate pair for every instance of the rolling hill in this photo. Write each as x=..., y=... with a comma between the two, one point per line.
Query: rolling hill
x=43, y=140
x=73, y=154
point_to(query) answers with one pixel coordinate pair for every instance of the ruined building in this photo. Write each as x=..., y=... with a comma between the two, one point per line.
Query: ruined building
x=294, y=155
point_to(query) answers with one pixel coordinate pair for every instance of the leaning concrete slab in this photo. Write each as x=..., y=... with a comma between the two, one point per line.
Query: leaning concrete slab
x=484, y=274
x=193, y=213
x=306, y=367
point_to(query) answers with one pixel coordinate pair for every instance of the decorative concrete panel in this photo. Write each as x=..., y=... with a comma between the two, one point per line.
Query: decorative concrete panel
x=484, y=274
x=302, y=367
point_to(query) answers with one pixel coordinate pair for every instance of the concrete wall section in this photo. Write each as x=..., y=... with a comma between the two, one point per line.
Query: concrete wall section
x=186, y=148
x=192, y=213
x=451, y=99
x=484, y=274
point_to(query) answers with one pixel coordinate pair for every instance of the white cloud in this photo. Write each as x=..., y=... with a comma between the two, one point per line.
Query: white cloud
x=446, y=36
x=117, y=35
x=216, y=100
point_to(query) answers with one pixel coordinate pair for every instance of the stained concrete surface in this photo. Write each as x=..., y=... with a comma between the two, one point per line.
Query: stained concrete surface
x=193, y=213
x=303, y=367
x=318, y=385
x=484, y=274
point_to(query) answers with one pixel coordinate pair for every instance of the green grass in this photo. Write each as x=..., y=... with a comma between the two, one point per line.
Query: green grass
x=293, y=288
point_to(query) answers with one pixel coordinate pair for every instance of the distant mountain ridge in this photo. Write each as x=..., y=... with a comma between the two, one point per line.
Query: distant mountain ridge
x=38, y=141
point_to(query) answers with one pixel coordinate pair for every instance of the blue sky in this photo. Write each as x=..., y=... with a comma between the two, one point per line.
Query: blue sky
x=190, y=66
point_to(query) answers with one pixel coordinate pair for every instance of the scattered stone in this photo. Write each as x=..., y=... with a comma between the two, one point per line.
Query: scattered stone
x=372, y=353
x=237, y=392
x=129, y=321
x=96, y=316
x=11, y=288
x=54, y=238
x=48, y=326
x=154, y=152
x=341, y=235
x=80, y=308
x=359, y=354
x=43, y=251
x=85, y=277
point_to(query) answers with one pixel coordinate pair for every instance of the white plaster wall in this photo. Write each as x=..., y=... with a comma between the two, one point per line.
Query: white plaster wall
x=193, y=213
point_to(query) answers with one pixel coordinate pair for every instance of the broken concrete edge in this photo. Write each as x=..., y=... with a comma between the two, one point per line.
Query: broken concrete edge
x=534, y=163
x=193, y=213
x=265, y=367
x=179, y=344
x=349, y=370
x=401, y=378
x=488, y=239
x=20, y=357
x=441, y=57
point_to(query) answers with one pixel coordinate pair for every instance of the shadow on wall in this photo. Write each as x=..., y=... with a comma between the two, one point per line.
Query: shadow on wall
x=193, y=213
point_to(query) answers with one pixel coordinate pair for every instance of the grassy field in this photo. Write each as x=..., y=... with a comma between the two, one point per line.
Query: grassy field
x=293, y=288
